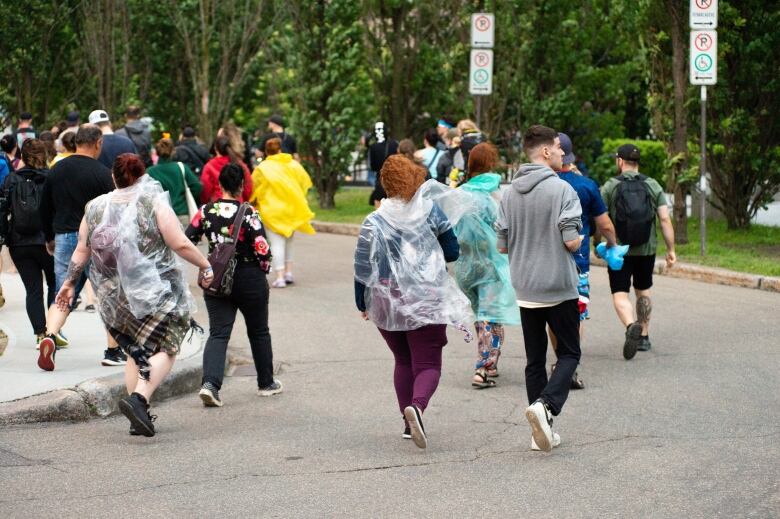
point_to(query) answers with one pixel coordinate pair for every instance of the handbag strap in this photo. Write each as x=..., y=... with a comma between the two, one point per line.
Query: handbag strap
x=237, y=223
x=183, y=175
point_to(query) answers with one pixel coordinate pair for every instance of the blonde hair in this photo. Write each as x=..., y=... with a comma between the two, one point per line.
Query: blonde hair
x=466, y=124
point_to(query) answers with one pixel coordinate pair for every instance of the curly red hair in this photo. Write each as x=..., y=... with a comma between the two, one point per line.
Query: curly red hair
x=401, y=177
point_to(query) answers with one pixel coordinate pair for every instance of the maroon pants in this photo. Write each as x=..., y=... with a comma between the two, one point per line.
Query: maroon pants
x=417, y=363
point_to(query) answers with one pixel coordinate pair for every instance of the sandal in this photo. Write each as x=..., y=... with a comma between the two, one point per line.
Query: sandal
x=483, y=382
x=492, y=373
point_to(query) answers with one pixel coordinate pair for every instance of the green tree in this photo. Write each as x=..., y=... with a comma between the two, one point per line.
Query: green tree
x=328, y=87
x=743, y=154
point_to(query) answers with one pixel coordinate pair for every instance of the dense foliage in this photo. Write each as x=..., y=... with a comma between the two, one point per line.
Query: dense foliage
x=597, y=69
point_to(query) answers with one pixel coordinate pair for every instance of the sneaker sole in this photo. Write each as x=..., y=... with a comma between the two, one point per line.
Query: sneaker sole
x=46, y=355
x=208, y=399
x=418, y=435
x=140, y=427
x=537, y=431
x=633, y=338
x=111, y=362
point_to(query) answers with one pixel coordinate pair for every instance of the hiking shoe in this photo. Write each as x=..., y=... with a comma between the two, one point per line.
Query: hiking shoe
x=279, y=283
x=47, y=350
x=209, y=394
x=114, y=357
x=540, y=419
x=576, y=382
x=645, y=345
x=274, y=389
x=416, y=428
x=407, y=435
x=556, y=440
x=289, y=279
x=135, y=408
x=60, y=340
x=633, y=339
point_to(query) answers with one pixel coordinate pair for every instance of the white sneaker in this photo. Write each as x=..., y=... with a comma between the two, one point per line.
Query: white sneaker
x=541, y=425
x=555, y=442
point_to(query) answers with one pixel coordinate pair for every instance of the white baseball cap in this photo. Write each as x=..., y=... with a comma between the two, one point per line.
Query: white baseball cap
x=98, y=116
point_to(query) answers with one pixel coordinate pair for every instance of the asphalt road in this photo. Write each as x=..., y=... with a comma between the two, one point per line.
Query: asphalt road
x=691, y=429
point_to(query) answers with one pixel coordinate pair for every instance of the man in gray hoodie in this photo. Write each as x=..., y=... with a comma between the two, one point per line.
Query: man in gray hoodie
x=539, y=226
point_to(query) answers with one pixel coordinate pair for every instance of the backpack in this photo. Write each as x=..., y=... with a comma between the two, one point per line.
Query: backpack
x=26, y=197
x=187, y=155
x=634, y=212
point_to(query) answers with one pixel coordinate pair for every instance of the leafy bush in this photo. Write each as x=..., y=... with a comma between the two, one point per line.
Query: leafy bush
x=654, y=162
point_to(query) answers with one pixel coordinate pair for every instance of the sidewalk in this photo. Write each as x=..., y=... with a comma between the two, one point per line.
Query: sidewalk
x=80, y=386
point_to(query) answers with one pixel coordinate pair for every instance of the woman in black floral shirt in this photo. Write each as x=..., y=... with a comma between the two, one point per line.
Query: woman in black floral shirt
x=250, y=288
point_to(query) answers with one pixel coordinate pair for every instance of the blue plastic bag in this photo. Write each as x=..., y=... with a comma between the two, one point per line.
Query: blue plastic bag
x=613, y=255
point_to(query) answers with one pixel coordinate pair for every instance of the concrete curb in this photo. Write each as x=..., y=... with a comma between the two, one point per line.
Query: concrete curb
x=680, y=270
x=96, y=398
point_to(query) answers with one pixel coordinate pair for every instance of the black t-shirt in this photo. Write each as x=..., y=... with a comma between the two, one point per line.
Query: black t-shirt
x=113, y=146
x=288, y=142
x=72, y=183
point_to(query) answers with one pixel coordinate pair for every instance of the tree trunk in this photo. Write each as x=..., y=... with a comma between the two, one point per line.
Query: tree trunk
x=679, y=148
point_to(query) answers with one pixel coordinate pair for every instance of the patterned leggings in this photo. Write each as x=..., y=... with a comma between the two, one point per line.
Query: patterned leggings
x=490, y=337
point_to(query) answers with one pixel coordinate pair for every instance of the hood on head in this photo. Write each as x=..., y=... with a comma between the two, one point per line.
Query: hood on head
x=528, y=176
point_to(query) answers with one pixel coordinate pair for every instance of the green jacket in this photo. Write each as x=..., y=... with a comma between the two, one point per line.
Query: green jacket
x=168, y=173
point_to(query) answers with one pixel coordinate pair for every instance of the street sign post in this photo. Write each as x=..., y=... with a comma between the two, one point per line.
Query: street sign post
x=483, y=30
x=704, y=57
x=481, y=72
x=703, y=14
x=703, y=62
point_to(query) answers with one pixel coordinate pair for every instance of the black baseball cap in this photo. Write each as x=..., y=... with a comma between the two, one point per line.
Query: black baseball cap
x=276, y=119
x=25, y=116
x=188, y=132
x=73, y=117
x=628, y=152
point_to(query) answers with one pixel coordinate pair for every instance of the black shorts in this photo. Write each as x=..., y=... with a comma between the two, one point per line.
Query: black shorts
x=639, y=267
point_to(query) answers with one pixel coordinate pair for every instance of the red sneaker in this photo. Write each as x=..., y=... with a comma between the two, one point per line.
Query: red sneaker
x=47, y=351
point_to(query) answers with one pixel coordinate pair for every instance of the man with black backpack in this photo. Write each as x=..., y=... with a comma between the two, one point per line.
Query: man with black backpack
x=634, y=202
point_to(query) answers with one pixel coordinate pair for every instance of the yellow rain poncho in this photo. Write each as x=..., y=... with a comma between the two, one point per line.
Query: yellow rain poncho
x=280, y=185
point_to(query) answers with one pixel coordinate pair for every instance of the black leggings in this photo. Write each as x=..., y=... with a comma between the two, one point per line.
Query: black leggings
x=33, y=264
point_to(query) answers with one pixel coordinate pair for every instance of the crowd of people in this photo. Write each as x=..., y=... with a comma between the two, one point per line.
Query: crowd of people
x=519, y=255
x=447, y=244
x=85, y=205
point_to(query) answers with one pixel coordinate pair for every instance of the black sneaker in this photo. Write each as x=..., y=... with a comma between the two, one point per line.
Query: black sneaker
x=134, y=431
x=633, y=339
x=645, y=345
x=407, y=435
x=135, y=408
x=90, y=309
x=274, y=389
x=114, y=357
x=209, y=394
x=576, y=382
x=414, y=418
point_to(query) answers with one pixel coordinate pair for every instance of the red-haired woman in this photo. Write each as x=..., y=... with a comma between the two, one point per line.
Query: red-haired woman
x=131, y=236
x=402, y=285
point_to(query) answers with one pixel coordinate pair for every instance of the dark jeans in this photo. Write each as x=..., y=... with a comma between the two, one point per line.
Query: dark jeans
x=417, y=363
x=250, y=297
x=564, y=321
x=31, y=261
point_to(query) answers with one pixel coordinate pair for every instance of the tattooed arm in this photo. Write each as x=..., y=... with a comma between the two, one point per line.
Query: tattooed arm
x=78, y=262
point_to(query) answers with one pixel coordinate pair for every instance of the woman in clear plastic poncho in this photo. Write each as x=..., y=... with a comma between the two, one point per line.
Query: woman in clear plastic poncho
x=130, y=235
x=481, y=271
x=402, y=285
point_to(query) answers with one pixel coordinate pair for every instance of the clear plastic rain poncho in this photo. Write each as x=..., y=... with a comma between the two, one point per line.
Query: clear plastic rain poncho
x=400, y=261
x=132, y=267
x=481, y=271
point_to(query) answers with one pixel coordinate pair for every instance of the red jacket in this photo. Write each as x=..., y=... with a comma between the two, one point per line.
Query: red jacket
x=210, y=180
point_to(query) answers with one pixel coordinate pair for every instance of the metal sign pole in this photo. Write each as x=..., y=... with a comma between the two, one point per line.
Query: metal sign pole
x=702, y=172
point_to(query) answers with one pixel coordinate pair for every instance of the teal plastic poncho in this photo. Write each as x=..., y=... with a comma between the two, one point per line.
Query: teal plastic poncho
x=482, y=273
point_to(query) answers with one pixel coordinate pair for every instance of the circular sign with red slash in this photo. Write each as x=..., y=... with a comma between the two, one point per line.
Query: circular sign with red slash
x=703, y=42
x=482, y=59
x=703, y=4
x=482, y=23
